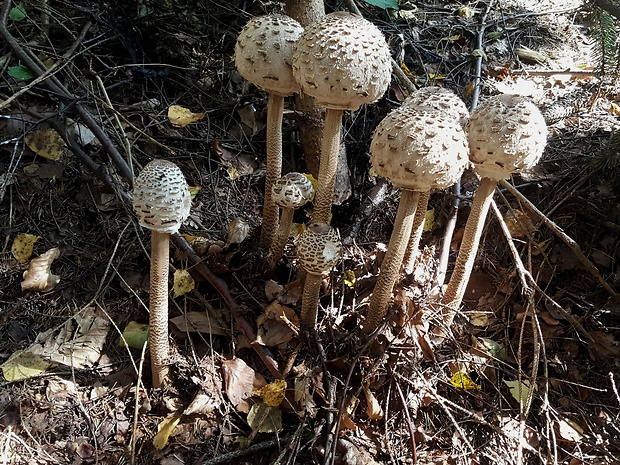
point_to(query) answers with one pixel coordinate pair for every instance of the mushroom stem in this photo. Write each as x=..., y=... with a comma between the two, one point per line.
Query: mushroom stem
x=327, y=168
x=275, y=108
x=277, y=246
x=393, y=259
x=158, y=303
x=310, y=301
x=416, y=232
x=453, y=296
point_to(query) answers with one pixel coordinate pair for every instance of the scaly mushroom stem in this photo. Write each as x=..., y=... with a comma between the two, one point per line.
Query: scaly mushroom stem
x=310, y=302
x=467, y=252
x=158, y=303
x=277, y=246
x=275, y=108
x=393, y=260
x=327, y=168
x=416, y=232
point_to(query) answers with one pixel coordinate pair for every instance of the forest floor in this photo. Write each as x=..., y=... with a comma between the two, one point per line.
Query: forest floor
x=526, y=376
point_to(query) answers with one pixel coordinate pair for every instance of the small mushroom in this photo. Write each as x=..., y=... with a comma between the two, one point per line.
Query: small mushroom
x=263, y=55
x=343, y=61
x=161, y=201
x=318, y=250
x=507, y=134
x=290, y=192
x=418, y=149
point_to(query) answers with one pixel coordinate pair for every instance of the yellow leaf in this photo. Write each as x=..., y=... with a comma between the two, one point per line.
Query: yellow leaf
x=22, y=247
x=296, y=229
x=273, y=393
x=194, y=190
x=46, y=143
x=135, y=335
x=183, y=283
x=439, y=77
x=164, y=430
x=519, y=223
x=541, y=247
x=405, y=69
x=429, y=220
x=349, y=278
x=22, y=365
x=180, y=116
x=463, y=381
x=479, y=319
x=315, y=184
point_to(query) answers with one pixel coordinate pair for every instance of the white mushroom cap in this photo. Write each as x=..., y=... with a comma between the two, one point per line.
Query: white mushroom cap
x=419, y=148
x=318, y=248
x=439, y=98
x=161, y=197
x=293, y=190
x=343, y=61
x=264, y=52
x=507, y=134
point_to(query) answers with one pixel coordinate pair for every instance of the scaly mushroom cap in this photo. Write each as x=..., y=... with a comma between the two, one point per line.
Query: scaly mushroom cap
x=264, y=52
x=441, y=99
x=293, y=190
x=318, y=248
x=161, y=197
x=419, y=148
x=507, y=134
x=343, y=61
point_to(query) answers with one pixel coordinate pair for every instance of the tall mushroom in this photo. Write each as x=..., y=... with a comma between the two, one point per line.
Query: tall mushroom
x=263, y=55
x=507, y=134
x=318, y=250
x=444, y=100
x=161, y=201
x=343, y=61
x=290, y=192
x=418, y=149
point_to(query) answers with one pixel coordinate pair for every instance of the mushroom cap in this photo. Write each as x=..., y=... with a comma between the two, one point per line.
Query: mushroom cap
x=161, y=197
x=419, y=148
x=264, y=52
x=343, y=61
x=439, y=98
x=293, y=190
x=507, y=134
x=318, y=248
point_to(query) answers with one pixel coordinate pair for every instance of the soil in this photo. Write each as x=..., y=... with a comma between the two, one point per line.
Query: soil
x=528, y=373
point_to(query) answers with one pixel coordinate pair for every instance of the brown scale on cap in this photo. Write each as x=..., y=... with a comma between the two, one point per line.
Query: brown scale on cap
x=441, y=99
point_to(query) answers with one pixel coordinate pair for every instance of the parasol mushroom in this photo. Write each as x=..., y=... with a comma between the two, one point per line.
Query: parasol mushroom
x=507, y=134
x=343, y=61
x=263, y=55
x=418, y=149
x=161, y=201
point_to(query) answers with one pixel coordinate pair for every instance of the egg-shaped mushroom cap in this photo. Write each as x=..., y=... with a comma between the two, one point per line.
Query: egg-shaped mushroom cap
x=318, y=248
x=264, y=53
x=419, y=148
x=507, y=134
x=439, y=98
x=293, y=190
x=343, y=61
x=161, y=197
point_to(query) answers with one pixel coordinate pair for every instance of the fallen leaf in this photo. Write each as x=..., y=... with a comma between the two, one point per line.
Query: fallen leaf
x=429, y=220
x=463, y=381
x=265, y=419
x=22, y=246
x=373, y=408
x=569, y=430
x=349, y=278
x=199, y=322
x=135, y=335
x=247, y=114
x=202, y=404
x=180, y=116
x=38, y=276
x=183, y=283
x=520, y=391
x=22, y=365
x=273, y=393
x=46, y=143
x=238, y=230
x=519, y=223
x=277, y=325
x=303, y=394
x=240, y=382
x=478, y=319
x=165, y=429
x=273, y=290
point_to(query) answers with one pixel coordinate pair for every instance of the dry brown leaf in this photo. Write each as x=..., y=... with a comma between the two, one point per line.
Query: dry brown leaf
x=199, y=322
x=38, y=276
x=373, y=408
x=180, y=116
x=241, y=382
x=238, y=230
x=277, y=325
x=519, y=223
x=46, y=143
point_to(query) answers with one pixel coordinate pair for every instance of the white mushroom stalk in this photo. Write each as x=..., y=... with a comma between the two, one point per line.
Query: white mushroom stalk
x=263, y=55
x=343, y=61
x=318, y=250
x=418, y=149
x=161, y=201
x=507, y=134
x=290, y=192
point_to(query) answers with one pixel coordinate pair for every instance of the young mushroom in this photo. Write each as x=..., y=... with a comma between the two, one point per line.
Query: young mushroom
x=263, y=55
x=318, y=250
x=418, y=149
x=290, y=192
x=507, y=134
x=161, y=201
x=343, y=61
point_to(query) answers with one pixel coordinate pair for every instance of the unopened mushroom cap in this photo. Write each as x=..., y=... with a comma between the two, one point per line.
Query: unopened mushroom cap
x=318, y=248
x=161, y=197
x=439, y=98
x=507, y=134
x=292, y=190
x=419, y=148
x=343, y=61
x=264, y=52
